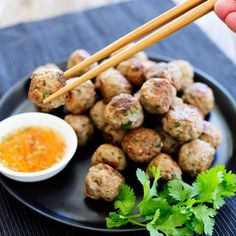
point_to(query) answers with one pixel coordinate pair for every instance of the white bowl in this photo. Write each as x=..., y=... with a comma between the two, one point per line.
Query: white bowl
x=45, y=120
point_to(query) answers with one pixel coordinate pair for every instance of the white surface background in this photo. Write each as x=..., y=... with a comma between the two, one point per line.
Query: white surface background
x=16, y=11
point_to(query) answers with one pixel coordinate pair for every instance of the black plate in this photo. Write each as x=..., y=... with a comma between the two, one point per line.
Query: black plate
x=61, y=197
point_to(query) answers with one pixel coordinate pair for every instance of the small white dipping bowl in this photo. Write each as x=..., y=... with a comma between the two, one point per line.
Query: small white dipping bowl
x=44, y=120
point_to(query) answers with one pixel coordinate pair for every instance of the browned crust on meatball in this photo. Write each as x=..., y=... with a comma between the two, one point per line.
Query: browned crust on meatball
x=45, y=82
x=142, y=144
x=211, y=134
x=156, y=95
x=112, y=83
x=78, y=56
x=196, y=156
x=201, y=96
x=183, y=122
x=169, y=168
x=103, y=182
x=113, y=136
x=133, y=70
x=82, y=126
x=124, y=111
x=111, y=155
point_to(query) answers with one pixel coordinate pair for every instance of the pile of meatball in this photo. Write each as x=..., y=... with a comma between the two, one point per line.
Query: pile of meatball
x=147, y=112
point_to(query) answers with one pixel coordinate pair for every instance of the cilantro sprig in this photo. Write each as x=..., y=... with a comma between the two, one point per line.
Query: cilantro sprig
x=178, y=208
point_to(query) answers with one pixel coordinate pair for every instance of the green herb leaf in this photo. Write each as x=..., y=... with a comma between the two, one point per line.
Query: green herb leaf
x=179, y=208
x=180, y=191
x=153, y=231
x=127, y=124
x=115, y=220
x=126, y=200
x=205, y=216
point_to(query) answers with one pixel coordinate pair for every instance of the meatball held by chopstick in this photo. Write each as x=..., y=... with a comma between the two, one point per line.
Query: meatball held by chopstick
x=45, y=82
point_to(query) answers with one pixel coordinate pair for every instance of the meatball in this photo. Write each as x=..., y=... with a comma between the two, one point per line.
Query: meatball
x=82, y=126
x=103, y=182
x=170, y=145
x=113, y=83
x=111, y=155
x=137, y=95
x=169, y=168
x=148, y=65
x=196, y=156
x=133, y=70
x=156, y=95
x=187, y=72
x=124, y=111
x=78, y=56
x=113, y=136
x=211, y=134
x=201, y=96
x=81, y=98
x=183, y=123
x=142, y=144
x=166, y=71
x=45, y=82
x=97, y=115
x=176, y=101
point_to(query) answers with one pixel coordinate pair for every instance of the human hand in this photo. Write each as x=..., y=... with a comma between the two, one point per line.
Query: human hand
x=226, y=11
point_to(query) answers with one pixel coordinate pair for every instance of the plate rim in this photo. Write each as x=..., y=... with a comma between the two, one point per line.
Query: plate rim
x=78, y=225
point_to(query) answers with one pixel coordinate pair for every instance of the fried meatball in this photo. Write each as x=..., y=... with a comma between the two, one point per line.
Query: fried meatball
x=166, y=71
x=111, y=155
x=187, y=72
x=141, y=144
x=177, y=101
x=113, y=136
x=200, y=96
x=169, y=168
x=137, y=95
x=170, y=145
x=45, y=82
x=78, y=56
x=211, y=134
x=81, y=98
x=113, y=83
x=148, y=65
x=82, y=126
x=124, y=111
x=103, y=182
x=156, y=95
x=97, y=115
x=155, y=70
x=196, y=156
x=183, y=123
x=133, y=70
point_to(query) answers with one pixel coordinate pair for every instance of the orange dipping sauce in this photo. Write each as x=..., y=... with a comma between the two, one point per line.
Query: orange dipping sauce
x=31, y=149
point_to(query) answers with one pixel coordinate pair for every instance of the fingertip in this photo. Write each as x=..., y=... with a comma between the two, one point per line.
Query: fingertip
x=230, y=20
x=219, y=9
x=224, y=7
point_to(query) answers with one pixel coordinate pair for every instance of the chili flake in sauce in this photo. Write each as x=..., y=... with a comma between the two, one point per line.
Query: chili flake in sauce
x=31, y=149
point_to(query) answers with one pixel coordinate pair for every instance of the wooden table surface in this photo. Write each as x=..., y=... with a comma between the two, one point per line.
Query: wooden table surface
x=16, y=11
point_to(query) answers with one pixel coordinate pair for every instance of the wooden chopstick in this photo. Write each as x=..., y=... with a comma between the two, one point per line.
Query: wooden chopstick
x=148, y=41
x=134, y=35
